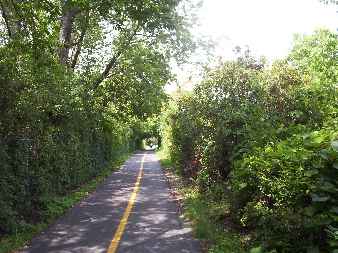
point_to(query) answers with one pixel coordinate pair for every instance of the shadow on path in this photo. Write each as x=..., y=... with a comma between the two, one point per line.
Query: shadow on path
x=153, y=226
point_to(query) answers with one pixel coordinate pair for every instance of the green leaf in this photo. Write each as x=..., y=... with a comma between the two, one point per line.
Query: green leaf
x=311, y=172
x=317, y=198
x=324, y=153
x=334, y=209
x=334, y=145
x=242, y=185
x=318, y=139
x=256, y=250
x=312, y=250
x=335, y=165
x=328, y=187
x=309, y=211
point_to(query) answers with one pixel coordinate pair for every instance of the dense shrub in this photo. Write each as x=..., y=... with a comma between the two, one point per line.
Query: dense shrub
x=269, y=134
x=288, y=190
x=50, y=144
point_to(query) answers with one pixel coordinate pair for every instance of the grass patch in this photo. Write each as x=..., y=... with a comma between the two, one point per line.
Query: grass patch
x=209, y=220
x=164, y=159
x=56, y=207
x=209, y=216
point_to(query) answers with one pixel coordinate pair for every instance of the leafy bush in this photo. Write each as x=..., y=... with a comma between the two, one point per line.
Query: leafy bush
x=269, y=135
x=55, y=135
x=291, y=184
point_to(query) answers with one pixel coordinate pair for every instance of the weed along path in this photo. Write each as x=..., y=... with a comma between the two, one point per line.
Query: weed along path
x=130, y=212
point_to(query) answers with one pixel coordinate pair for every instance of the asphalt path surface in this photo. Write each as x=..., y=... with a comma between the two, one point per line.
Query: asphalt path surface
x=153, y=224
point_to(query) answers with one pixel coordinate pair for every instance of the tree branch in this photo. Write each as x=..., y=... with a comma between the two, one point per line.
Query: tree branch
x=113, y=61
x=79, y=44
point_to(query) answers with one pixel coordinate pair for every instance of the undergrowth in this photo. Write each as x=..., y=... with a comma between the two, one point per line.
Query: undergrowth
x=207, y=215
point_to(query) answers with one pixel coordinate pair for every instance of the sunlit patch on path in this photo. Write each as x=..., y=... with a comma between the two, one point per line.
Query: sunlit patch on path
x=152, y=223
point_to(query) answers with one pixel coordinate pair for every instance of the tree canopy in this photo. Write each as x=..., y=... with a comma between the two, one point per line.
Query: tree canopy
x=77, y=80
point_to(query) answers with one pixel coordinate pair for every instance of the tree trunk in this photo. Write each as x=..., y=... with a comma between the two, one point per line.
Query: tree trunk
x=4, y=13
x=12, y=18
x=65, y=38
x=80, y=42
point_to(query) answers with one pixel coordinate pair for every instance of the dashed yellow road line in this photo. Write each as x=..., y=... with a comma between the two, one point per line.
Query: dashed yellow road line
x=119, y=232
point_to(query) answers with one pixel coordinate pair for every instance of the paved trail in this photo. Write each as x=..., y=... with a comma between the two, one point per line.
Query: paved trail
x=152, y=226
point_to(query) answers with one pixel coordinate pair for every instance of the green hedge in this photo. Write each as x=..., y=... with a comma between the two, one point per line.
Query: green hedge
x=53, y=138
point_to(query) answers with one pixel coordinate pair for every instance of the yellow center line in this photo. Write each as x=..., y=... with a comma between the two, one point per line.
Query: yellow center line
x=119, y=232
